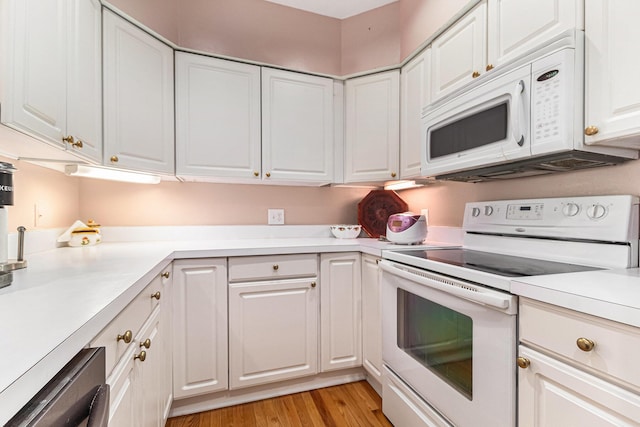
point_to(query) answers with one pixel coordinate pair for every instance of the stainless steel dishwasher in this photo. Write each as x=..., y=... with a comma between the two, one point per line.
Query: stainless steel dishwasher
x=76, y=396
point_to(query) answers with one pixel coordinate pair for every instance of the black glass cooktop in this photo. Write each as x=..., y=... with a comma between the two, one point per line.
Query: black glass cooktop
x=502, y=265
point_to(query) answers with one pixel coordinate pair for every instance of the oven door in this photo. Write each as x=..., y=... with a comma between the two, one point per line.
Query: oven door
x=485, y=126
x=452, y=342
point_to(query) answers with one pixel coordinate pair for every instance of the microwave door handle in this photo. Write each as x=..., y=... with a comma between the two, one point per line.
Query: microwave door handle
x=516, y=100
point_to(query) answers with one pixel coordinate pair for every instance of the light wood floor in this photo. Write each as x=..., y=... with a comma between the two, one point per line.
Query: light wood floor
x=354, y=404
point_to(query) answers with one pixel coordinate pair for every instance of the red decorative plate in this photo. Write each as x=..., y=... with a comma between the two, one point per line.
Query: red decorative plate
x=376, y=207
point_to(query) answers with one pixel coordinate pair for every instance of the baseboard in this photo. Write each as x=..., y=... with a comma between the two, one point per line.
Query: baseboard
x=192, y=405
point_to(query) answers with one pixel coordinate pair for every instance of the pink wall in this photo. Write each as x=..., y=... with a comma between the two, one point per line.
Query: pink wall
x=371, y=40
x=159, y=15
x=180, y=203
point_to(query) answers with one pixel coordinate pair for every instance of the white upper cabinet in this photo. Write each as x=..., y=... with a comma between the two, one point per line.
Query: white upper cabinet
x=415, y=94
x=52, y=86
x=217, y=118
x=138, y=98
x=612, y=96
x=460, y=53
x=297, y=127
x=517, y=26
x=372, y=127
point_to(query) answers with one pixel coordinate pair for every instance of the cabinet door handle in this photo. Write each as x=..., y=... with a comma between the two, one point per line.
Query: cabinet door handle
x=156, y=295
x=475, y=74
x=256, y=173
x=313, y=284
x=69, y=139
x=523, y=362
x=489, y=67
x=268, y=174
x=146, y=343
x=275, y=267
x=126, y=337
x=142, y=356
x=114, y=159
x=585, y=344
x=591, y=130
x=393, y=174
x=78, y=144
x=166, y=274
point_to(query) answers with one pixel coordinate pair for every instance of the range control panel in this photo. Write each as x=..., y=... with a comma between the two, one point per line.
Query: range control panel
x=606, y=218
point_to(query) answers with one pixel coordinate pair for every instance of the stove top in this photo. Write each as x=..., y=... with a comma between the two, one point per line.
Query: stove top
x=502, y=265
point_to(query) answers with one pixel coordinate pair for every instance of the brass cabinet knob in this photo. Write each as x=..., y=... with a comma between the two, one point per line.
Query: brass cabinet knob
x=69, y=139
x=268, y=174
x=523, y=362
x=275, y=267
x=489, y=67
x=585, y=344
x=156, y=295
x=166, y=274
x=475, y=74
x=126, y=337
x=393, y=174
x=591, y=130
x=256, y=173
x=142, y=356
x=78, y=144
x=146, y=343
x=114, y=159
x=314, y=284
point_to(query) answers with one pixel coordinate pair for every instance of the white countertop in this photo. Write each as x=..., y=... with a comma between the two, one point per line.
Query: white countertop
x=611, y=294
x=66, y=296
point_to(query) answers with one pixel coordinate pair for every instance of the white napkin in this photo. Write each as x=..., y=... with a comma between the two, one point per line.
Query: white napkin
x=66, y=236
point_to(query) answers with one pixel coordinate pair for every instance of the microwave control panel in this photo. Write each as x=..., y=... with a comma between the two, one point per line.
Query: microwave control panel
x=547, y=95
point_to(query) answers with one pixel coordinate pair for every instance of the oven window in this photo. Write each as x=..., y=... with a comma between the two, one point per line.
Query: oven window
x=485, y=127
x=437, y=337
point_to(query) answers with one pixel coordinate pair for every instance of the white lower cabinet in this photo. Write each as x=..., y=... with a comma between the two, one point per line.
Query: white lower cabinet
x=576, y=369
x=140, y=379
x=273, y=324
x=340, y=311
x=371, y=318
x=200, y=327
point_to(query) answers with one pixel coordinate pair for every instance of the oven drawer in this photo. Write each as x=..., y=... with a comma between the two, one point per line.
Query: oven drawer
x=558, y=330
x=272, y=267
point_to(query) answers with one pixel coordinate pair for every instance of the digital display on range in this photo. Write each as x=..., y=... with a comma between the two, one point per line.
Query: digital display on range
x=525, y=212
x=525, y=208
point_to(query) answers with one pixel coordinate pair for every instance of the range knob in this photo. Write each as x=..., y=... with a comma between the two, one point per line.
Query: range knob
x=488, y=210
x=475, y=212
x=596, y=211
x=570, y=209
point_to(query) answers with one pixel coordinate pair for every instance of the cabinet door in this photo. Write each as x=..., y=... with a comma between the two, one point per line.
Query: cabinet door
x=415, y=87
x=518, y=26
x=34, y=98
x=273, y=331
x=460, y=53
x=372, y=127
x=612, y=96
x=551, y=393
x=340, y=311
x=200, y=327
x=297, y=127
x=84, y=78
x=149, y=371
x=371, y=318
x=123, y=408
x=138, y=98
x=165, y=388
x=217, y=117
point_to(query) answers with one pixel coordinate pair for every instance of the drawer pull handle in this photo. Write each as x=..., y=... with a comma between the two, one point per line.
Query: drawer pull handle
x=585, y=344
x=146, y=343
x=142, y=356
x=126, y=337
x=591, y=130
x=166, y=274
x=313, y=284
x=156, y=295
x=275, y=267
x=523, y=362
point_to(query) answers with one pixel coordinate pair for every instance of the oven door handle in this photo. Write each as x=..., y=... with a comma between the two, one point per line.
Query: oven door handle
x=449, y=286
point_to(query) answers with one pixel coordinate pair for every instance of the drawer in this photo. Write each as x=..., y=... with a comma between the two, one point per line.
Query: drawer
x=557, y=330
x=130, y=319
x=272, y=267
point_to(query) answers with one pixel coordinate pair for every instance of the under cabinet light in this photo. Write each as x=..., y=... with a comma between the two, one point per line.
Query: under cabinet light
x=402, y=185
x=85, y=171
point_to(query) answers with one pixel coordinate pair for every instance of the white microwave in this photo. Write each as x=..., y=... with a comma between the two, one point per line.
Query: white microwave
x=522, y=122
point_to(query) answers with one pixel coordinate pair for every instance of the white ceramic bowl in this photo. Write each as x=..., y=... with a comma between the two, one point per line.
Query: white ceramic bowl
x=345, y=231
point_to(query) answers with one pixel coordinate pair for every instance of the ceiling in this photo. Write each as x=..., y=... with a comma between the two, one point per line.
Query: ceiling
x=340, y=9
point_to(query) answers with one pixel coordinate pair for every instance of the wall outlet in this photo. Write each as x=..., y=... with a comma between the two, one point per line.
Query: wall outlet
x=275, y=216
x=425, y=212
